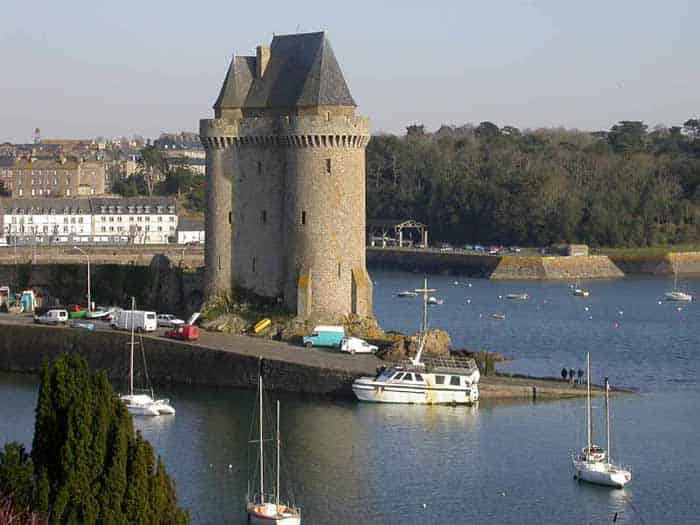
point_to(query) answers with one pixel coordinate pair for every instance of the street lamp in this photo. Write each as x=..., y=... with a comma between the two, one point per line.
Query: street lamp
x=88, y=276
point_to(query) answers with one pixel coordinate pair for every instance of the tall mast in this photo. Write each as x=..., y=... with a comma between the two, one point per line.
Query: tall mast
x=424, y=329
x=589, y=422
x=131, y=354
x=607, y=418
x=277, y=487
x=262, y=482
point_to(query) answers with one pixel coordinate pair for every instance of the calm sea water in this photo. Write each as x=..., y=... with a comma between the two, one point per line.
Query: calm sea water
x=495, y=463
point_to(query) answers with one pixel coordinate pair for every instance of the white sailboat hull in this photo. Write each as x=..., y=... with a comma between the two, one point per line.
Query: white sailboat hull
x=678, y=296
x=371, y=390
x=270, y=513
x=601, y=473
x=144, y=405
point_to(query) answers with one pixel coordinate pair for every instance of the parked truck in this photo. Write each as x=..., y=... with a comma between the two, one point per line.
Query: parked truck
x=51, y=316
x=325, y=336
x=144, y=321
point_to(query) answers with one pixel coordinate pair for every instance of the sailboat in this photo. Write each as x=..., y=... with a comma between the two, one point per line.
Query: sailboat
x=580, y=292
x=261, y=509
x=593, y=464
x=142, y=404
x=430, y=381
x=675, y=294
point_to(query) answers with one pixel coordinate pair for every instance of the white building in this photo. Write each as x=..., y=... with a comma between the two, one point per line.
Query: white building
x=100, y=221
x=190, y=231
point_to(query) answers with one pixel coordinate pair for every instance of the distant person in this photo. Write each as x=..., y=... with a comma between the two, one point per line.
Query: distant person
x=564, y=373
x=572, y=376
x=580, y=376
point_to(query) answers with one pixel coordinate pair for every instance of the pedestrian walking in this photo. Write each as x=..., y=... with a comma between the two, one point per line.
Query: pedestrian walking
x=564, y=373
x=572, y=376
x=580, y=376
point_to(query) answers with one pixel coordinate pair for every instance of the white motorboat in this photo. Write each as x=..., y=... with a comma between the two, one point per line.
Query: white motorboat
x=142, y=404
x=676, y=294
x=580, y=292
x=406, y=293
x=265, y=509
x=499, y=317
x=518, y=296
x=593, y=464
x=435, y=301
x=444, y=380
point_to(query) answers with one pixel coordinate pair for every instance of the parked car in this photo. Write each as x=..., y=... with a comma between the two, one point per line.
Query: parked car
x=79, y=323
x=169, y=321
x=325, y=336
x=355, y=345
x=444, y=247
x=185, y=332
x=53, y=316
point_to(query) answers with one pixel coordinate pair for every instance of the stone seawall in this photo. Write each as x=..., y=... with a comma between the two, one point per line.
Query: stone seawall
x=495, y=266
x=24, y=348
x=578, y=267
x=432, y=261
x=685, y=263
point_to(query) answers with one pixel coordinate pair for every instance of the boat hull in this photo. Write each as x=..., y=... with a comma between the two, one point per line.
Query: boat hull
x=269, y=514
x=143, y=405
x=367, y=389
x=602, y=474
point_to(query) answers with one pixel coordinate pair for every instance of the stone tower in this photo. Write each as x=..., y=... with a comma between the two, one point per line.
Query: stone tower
x=286, y=181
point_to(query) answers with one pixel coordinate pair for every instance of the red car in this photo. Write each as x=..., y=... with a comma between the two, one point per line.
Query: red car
x=187, y=332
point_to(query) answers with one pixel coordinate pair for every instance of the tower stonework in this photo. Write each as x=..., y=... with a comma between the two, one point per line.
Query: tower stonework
x=286, y=158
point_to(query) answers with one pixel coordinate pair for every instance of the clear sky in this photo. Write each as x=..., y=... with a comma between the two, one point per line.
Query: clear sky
x=81, y=68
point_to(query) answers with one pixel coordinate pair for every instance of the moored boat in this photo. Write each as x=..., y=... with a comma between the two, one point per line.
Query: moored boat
x=406, y=293
x=593, y=464
x=518, y=296
x=142, y=404
x=266, y=509
x=440, y=380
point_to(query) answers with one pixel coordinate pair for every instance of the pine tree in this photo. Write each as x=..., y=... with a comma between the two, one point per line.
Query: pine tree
x=91, y=467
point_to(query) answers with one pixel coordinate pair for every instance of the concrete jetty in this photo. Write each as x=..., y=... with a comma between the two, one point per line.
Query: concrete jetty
x=227, y=361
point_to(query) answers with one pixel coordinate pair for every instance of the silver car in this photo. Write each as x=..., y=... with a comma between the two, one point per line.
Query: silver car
x=169, y=321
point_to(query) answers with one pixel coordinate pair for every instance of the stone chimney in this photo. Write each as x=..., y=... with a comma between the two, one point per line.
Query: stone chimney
x=262, y=55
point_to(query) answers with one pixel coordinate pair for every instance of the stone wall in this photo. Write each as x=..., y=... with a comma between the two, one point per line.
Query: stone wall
x=24, y=348
x=161, y=286
x=686, y=263
x=432, y=262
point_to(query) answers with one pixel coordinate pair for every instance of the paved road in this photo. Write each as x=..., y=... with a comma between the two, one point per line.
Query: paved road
x=253, y=346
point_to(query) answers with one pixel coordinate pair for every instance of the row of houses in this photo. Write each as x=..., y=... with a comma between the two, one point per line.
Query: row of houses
x=95, y=221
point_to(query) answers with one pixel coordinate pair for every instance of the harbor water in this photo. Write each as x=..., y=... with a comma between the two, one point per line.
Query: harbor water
x=352, y=463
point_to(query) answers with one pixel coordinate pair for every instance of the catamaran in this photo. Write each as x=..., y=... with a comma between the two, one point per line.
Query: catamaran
x=429, y=381
x=142, y=404
x=593, y=464
x=265, y=509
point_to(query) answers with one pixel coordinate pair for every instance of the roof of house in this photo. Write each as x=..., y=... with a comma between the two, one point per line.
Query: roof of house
x=190, y=225
x=133, y=202
x=41, y=206
x=88, y=205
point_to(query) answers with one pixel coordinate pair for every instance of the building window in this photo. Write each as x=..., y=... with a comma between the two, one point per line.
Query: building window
x=259, y=168
x=263, y=216
x=339, y=270
x=253, y=264
x=229, y=217
x=303, y=217
x=328, y=166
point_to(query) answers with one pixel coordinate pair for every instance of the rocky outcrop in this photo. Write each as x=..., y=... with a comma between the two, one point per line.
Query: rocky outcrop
x=437, y=343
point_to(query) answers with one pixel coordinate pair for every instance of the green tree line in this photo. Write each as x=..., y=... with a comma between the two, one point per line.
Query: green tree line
x=155, y=176
x=629, y=186
x=87, y=465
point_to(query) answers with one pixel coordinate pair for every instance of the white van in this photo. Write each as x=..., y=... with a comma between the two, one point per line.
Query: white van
x=355, y=345
x=54, y=316
x=143, y=321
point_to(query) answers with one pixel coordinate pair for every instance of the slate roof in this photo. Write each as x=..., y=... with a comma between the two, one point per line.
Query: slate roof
x=190, y=225
x=60, y=206
x=134, y=202
x=239, y=78
x=302, y=71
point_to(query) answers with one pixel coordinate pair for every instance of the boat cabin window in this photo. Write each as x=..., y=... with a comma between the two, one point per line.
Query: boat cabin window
x=408, y=377
x=398, y=376
x=454, y=380
x=439, y=380
x=419, y=377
